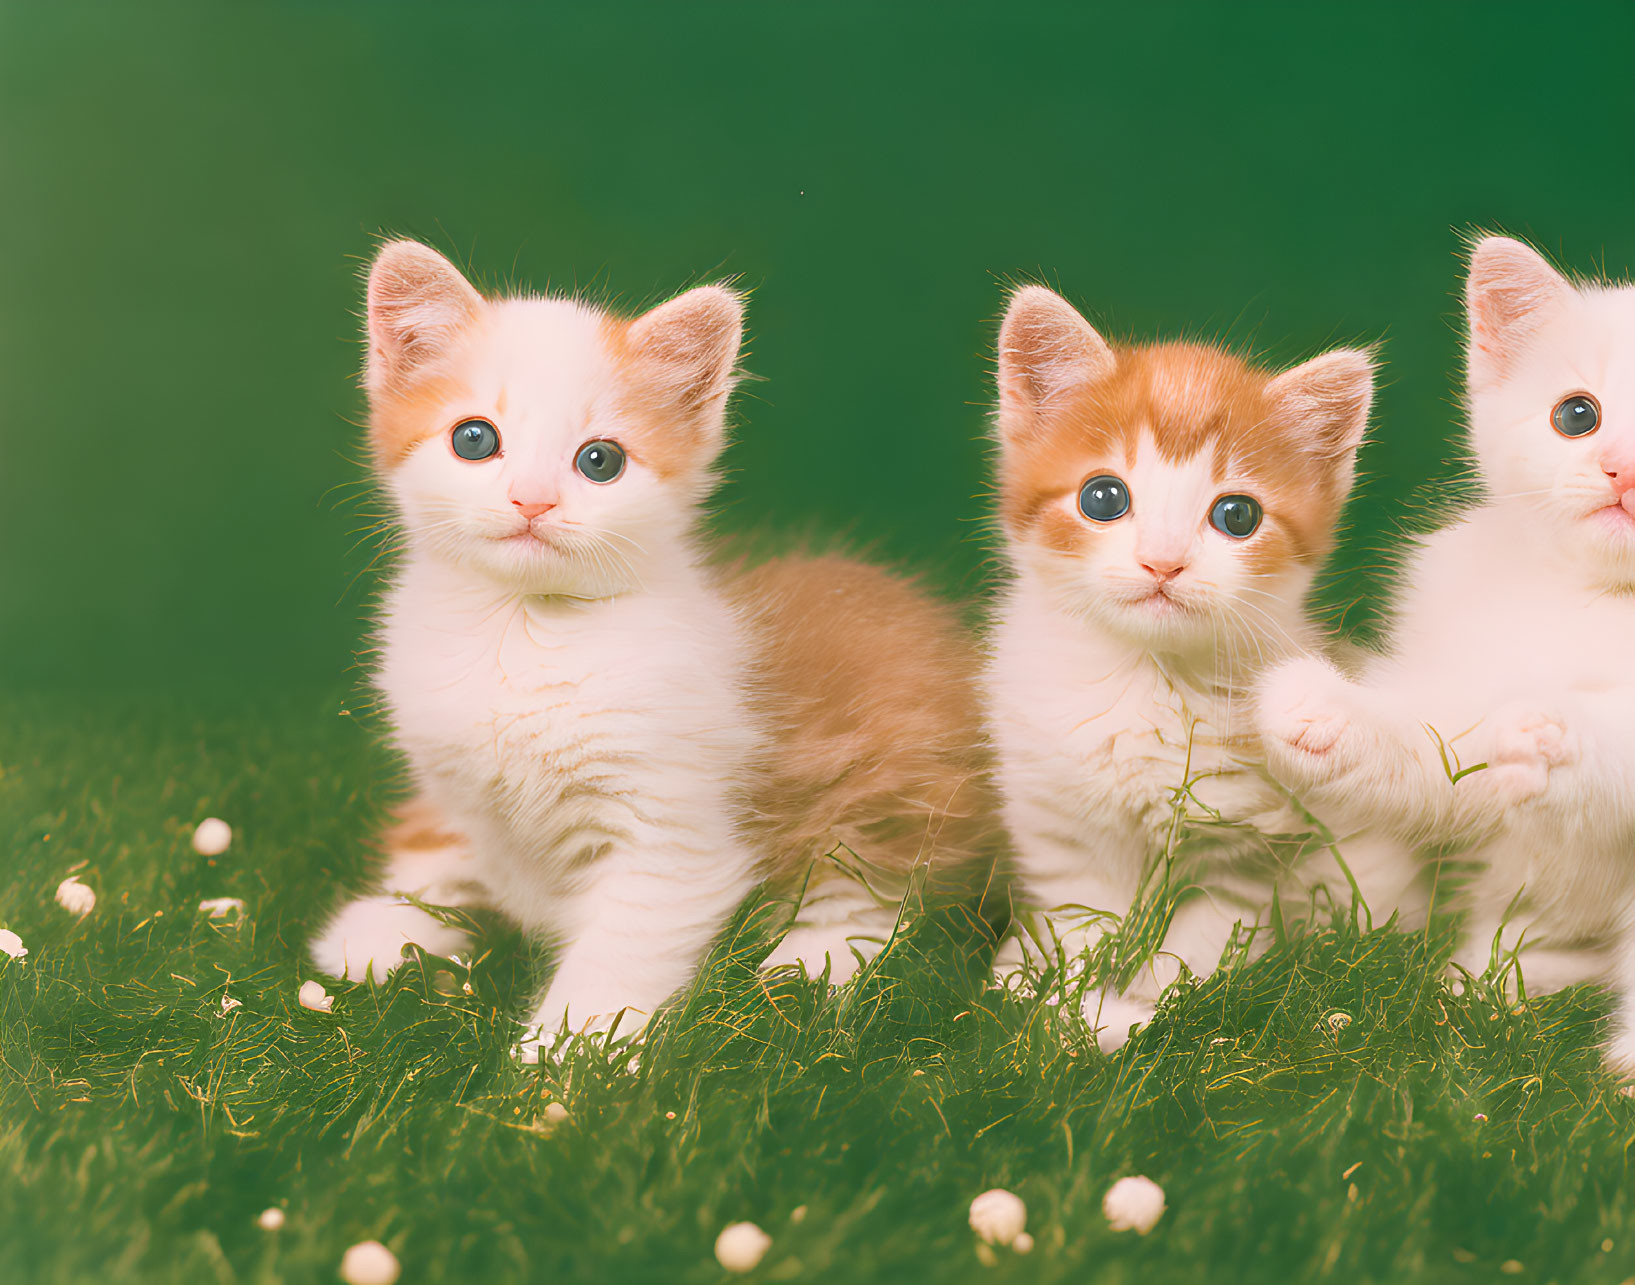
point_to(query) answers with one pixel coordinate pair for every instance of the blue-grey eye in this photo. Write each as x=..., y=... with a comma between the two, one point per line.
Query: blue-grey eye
x=475, y=439
x=1236, y=516
x=1577, y=416
x=1104, y=499
x=600, y=461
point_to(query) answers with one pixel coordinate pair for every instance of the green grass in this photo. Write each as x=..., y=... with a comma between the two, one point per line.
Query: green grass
x=1432, y=1138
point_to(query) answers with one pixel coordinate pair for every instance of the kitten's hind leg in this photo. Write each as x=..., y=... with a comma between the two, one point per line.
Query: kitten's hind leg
x=425, y=860
x=841, y=925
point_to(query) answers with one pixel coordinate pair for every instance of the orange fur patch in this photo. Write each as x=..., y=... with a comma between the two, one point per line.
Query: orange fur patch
x=1191, y=398
x=870, y=688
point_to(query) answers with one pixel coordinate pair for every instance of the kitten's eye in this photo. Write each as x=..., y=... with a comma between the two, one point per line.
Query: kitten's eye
x=1577, y=416
x=1236, y=516
x=475, y=439
x=600, y=461
x=1104, y=499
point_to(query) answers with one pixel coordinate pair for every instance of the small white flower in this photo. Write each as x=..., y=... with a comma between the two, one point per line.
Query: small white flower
x=369, y=1263
x=221, y=907
x=228, y=1004
x=998, y=1216
x=270, y=1219
x=740, y=1246
x=1023, y=1244
x=550, y=1119
x=12, y=944
x=75, y=897
x=312, y=995
x=212, y=837
x=1133, y=1204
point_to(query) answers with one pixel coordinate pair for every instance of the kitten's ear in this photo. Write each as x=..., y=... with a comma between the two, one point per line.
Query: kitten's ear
x=688, y=349
x=1509, y=293
x=418, y=303
x=1330, y=396
x=1046, y=351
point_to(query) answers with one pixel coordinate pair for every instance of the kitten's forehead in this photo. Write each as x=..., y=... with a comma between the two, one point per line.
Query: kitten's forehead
x=543, y=345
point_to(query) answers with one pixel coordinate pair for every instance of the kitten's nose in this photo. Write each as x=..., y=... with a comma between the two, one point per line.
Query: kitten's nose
x=1621, y=472
x=1163, y=570
x=532, y=511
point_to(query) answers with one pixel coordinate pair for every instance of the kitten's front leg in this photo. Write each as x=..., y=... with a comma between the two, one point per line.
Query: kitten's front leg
x=426, y=860
x=1349, y=755
x=640, y=931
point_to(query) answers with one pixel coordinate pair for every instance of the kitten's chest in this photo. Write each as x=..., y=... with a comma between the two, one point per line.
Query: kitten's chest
x=510, y=710
x=555, y=729
x=1150, y=747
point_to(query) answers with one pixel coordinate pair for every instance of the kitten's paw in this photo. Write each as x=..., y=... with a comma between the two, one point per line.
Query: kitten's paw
x=369, y=936
x=544, y=1043
x=818, y=948
x=1525, y=743
x=1305, y=720
x=1114, y=1018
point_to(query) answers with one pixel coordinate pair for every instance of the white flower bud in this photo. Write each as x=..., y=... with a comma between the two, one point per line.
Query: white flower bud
x=369, y=1263
x=212, y=837
x=75, y=897
x=312, y=995
x=270, y=1219
x=1133, y=1204
x=740, y=1246
x=998, y=1216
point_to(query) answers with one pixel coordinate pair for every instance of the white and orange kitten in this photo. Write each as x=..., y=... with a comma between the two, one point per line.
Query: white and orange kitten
x=1165, y=509
x=1514, y=646
x=612, y=740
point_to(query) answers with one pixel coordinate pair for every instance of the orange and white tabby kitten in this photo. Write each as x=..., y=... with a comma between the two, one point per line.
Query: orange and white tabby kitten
x=1165, y=509
x=612, y=740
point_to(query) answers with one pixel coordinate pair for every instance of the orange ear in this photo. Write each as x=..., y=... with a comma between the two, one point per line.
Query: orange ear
x=1510, y=292
x=1046, y=351
x=1329, y=397
x=685, y=352
x=418, y=303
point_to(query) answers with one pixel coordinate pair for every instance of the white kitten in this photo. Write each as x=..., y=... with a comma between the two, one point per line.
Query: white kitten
x=1514, y=647
x=559, y=669
x=1165, y=509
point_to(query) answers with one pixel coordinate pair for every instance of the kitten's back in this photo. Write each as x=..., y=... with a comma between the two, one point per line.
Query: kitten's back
x=868, y=686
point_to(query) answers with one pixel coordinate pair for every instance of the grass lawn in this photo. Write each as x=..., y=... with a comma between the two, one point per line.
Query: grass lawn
x=1431, y=1138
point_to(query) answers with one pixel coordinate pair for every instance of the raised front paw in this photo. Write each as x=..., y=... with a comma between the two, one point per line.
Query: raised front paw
x=1306, y=722
x=1523, y=744
x=369, y=936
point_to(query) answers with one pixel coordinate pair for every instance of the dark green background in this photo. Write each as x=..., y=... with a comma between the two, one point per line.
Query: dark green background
x=186, y=196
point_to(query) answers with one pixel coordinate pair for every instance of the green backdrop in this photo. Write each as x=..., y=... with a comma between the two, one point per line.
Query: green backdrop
x=186, y=197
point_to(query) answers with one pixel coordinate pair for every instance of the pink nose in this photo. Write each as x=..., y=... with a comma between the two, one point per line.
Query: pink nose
x=1621, y=473
x=532, y=511
x=1163, y=570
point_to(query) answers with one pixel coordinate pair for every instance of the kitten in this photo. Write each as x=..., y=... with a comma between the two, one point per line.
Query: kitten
x=612, y=740
x=1165, y=508
x=1512, y=648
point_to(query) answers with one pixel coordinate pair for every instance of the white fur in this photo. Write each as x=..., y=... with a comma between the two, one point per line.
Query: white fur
x=1515, y=644
x=564, y=687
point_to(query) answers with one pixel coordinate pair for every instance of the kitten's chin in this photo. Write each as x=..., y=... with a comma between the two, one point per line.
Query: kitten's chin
x=1156, y=619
